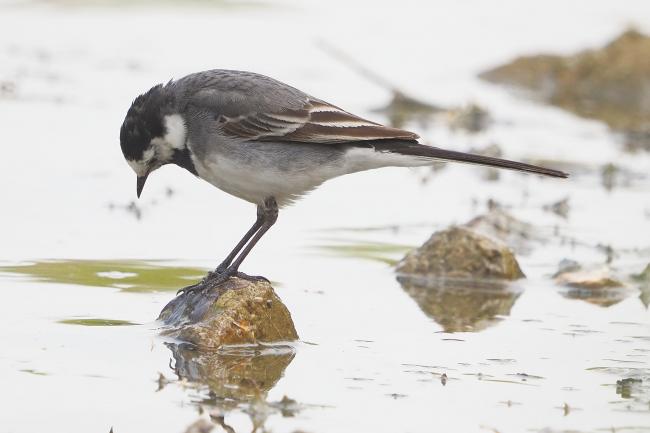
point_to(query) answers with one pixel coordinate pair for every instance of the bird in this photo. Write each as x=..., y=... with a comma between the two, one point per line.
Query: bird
x=267, y=143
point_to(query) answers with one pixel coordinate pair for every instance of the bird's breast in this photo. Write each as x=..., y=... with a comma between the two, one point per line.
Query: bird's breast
x=256, y=171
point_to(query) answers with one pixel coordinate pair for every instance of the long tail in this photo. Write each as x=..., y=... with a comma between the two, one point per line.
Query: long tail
x=421, y=150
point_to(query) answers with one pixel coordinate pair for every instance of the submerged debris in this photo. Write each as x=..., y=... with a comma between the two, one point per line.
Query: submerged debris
x=402, y=109
x=591, y=278
x=235, y=312
x=560, y=208
x=132, y=208
x=627, y=387
x=499, y=224
x=608, y=84
x=493, y=150
x=471, y=118
x=609, y=175
x=644, y=285
x=596, y=285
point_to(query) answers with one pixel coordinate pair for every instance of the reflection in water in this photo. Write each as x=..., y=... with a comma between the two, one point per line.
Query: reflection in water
x=236, y=377
x=237, y=374
x=461, y=305
x=605, y=297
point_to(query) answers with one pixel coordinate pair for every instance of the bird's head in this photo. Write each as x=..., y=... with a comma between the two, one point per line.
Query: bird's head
x=153, y=135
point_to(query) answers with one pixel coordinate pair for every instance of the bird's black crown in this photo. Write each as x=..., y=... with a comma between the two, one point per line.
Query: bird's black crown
x=144, y=121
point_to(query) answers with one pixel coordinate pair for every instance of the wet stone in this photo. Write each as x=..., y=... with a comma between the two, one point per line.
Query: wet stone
x=403, y=109
x=627, y=387
x=499, y=224
x=644, y=285
x=597, y=285
x=461, y=253
x=471, y=118
x=608, y=84
x=234, y=312
x=590, y=278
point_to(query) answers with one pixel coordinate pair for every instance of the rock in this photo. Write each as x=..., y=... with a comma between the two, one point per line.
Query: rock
x=608, y=84
x=403, y=108
x=596, y=285
x=560, y=208
x=235, y=312
x=460, y=253
x=644, y=285
x=461, y=306
x=628, y=387
x=593, y=278
x=499, y=224
x=471, y=118
x=644, y=276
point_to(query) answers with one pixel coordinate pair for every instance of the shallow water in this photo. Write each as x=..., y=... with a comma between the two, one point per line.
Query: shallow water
x=85, y=271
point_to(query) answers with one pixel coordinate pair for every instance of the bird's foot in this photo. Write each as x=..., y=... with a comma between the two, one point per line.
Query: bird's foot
x=213, y=278
x=256, y=278
x=192, y=288
x=216, y=277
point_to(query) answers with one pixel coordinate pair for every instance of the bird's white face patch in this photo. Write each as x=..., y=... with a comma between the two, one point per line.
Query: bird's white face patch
x=141, y=167
x=174, y=138
x=176, y=131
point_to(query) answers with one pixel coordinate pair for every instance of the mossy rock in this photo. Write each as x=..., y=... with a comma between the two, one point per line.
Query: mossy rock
x=608, y=84
x=237, y=311
x=460, y=253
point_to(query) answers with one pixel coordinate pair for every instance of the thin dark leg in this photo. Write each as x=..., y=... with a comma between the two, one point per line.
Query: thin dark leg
x=267, y=215
x=256, y=226
x=270, y=211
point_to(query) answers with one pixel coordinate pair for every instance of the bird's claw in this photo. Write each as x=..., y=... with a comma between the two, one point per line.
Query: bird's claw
x=213, y=278
x=247, y=277
x=217, y=277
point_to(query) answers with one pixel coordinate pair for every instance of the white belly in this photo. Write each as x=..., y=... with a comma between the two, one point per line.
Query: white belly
x=255, y=181
x=257, y=171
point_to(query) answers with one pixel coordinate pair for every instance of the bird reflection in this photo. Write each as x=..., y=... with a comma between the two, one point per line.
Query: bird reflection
x=461, y=305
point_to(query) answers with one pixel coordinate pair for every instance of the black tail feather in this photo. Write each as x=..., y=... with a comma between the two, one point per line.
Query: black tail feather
x=416, y=149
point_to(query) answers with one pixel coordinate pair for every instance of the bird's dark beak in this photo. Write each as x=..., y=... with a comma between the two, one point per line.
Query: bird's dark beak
x=140, y=184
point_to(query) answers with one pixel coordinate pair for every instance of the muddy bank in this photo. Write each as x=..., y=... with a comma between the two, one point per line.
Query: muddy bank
x=611, y=84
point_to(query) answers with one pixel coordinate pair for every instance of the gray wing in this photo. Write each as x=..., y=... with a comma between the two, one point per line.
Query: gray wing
x=250, y=106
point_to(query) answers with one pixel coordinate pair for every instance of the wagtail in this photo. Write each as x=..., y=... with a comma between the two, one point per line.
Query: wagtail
x=267, y=143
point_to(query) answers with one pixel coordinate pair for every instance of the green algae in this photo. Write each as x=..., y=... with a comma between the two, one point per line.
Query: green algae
x=387, y=253
x=97, y=322
x=126, y=275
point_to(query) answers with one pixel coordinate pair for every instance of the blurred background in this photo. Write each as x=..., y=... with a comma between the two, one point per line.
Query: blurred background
x=85, y=267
